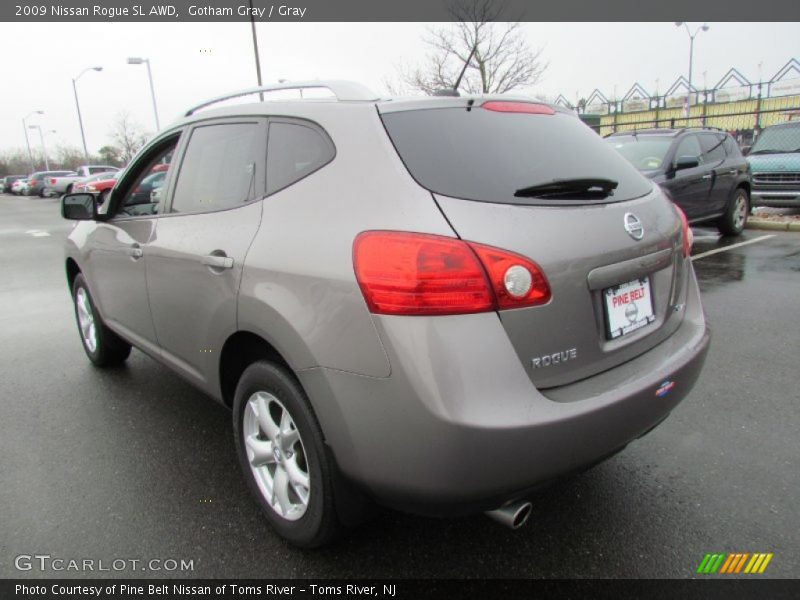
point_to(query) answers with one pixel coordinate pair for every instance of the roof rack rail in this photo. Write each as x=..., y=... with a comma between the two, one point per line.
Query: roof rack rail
x=344, y=91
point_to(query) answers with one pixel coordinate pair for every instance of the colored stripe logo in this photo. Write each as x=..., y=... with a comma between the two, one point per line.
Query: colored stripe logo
x=734, y=563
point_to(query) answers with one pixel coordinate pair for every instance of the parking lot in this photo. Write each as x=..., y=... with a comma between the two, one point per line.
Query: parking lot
x=135, y=463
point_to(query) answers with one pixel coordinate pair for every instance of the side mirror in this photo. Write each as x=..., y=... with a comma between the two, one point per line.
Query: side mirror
x=746, y=150
x=78, y=207
x=686, y=162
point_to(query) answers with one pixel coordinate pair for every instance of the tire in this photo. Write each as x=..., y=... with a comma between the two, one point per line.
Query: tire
x=735, y=218
x=68, y=190
x=103, y=347
x=303, y=515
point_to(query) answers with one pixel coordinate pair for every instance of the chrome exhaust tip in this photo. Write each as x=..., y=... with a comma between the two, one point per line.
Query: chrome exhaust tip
x=513, y=515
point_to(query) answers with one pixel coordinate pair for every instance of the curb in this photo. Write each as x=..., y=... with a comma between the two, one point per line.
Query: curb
x=773, y=225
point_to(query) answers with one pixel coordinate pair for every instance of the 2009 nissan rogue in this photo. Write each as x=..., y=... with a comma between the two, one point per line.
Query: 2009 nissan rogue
x=436, y=303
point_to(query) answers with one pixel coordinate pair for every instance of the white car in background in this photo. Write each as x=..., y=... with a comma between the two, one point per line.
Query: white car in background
x=19, y=187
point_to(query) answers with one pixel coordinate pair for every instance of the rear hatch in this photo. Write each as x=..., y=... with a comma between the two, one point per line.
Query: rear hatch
x=535, y=181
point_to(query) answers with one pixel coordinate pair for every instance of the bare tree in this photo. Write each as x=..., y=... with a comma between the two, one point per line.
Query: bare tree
x=68, y=157
x=127, y=136
x=16, y=161
x=498, y=57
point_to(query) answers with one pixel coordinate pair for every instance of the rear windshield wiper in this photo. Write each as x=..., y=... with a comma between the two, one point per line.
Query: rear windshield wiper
x=591, y=187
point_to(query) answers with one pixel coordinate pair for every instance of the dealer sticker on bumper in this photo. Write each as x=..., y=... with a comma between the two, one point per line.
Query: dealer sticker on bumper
x=629, y=307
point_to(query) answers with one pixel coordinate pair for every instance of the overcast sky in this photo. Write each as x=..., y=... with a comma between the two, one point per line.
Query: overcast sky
x=195, y=61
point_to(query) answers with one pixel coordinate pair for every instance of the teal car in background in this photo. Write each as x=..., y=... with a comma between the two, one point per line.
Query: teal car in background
x=775, y=163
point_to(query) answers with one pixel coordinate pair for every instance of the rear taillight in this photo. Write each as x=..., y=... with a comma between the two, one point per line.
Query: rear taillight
x=687, y=236
x=516, y=281
x=52, y=181
x=421, y=274
x=531, y=108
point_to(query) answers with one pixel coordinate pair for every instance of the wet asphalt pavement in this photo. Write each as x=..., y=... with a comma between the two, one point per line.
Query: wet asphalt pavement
x=134, y=463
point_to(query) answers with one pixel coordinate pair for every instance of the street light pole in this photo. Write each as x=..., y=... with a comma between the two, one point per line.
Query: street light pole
x=703, y=27
x=78, y=106
x=138, y=61
x=44, y=148
x=27, y=141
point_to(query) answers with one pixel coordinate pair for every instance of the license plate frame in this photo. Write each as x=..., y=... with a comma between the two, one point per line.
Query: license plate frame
x=621, y=319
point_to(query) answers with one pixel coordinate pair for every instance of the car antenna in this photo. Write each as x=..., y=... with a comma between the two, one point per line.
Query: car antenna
x=466, y=64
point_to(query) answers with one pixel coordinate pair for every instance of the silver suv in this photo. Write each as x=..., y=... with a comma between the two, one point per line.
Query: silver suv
x=436, y=304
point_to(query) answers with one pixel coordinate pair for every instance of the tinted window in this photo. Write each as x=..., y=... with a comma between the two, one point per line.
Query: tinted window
x=294, y=150
x=689, y=146
x=731, y=147
x=645, y=152
x=487, y=156
x=712, y=147
x=144, y=196
x=219, y=168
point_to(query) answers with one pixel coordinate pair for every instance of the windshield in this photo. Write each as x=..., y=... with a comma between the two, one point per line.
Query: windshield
x=774, y=140
x=489, y=156
x=645, y=152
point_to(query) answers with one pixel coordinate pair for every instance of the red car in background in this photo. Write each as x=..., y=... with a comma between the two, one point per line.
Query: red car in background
x=104, y=185
x=101, y=184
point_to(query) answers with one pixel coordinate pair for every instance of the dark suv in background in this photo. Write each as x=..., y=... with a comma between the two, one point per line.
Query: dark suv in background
x=703, y=171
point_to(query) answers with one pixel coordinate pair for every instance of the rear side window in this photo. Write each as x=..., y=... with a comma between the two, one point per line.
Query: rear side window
x=712, y=147
x=731, y=147
x=487, y=156
x=295, y=150
x=219, y=168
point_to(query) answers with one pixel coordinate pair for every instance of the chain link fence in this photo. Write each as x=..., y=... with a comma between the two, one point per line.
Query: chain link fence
x=743, y=120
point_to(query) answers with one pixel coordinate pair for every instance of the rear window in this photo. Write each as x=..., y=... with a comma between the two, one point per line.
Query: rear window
x=487, y=156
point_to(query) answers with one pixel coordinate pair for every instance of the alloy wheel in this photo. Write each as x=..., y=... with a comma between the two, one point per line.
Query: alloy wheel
x=740, y=211
x=86, y=321
x=276, y=455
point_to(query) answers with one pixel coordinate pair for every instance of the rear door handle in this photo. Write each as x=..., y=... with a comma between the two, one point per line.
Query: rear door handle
x=135, y=251
x=708, y=176
x=218, y=262
x=733, y=172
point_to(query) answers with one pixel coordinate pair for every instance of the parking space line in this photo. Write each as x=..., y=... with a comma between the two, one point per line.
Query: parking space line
x=732, y=246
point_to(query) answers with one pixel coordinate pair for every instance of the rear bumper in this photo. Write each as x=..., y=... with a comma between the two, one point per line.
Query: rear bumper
x=459, y=427
x=777, y=199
